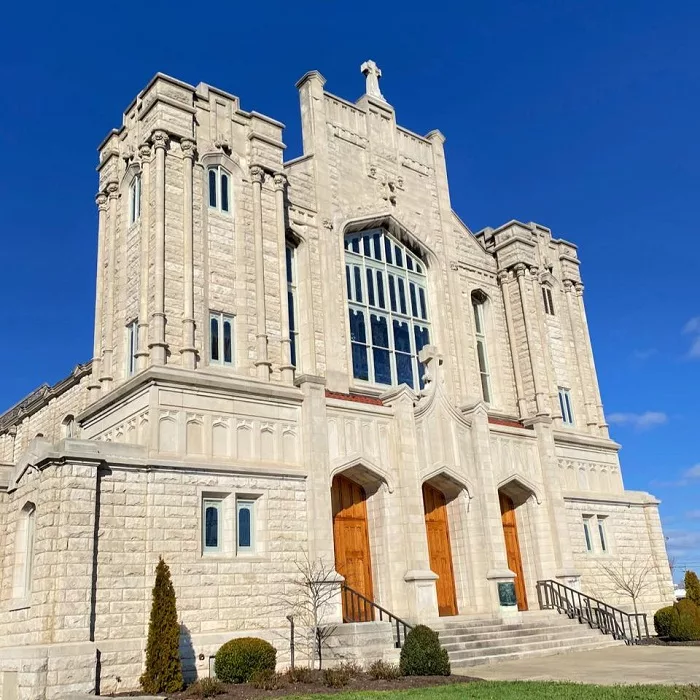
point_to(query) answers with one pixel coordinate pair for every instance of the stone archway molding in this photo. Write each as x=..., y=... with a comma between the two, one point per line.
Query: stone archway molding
x=359, y=461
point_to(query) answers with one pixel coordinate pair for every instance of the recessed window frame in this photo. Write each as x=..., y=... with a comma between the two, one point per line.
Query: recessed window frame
x=132, y=346
x=218, y=354
x=217, y=506
x=135, y=199
x=219, y=189
x=566, y=406
x=388, y=310
x=244, y=504
x=479, y=301
x=603, y=534
x=292, y=301
x=587, y=533
x=548, y=300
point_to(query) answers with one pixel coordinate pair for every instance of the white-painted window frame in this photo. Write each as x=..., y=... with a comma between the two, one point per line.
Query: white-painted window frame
x=482, y=358
x=218, y=505
x=222, y=318
x=135, y=199
x=222, y=183
x=566, y=406
x=548, y=299
x=243, y=503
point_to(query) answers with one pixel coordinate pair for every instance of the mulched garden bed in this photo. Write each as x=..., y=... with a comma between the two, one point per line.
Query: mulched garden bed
x=358, y=682
x=658, y=641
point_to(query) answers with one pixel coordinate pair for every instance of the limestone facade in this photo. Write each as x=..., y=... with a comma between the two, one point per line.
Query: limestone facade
x=198, y=213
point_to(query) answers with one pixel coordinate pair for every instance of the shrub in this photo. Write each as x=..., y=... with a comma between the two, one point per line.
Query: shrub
x=206, y=688
x=163, y=672
x=300, y=674
x=265, y=679
x=422, y=654
x=685, y=622
x=237, y=660
x=662, y=621
x=335, y=677
x=692, y=587
x=352, y=668
x=383, y=671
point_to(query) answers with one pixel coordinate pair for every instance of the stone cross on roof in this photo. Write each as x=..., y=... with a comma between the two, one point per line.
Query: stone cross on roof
x=372, y=74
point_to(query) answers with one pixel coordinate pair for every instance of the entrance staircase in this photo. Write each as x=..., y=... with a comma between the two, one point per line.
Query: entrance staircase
x=473, y=641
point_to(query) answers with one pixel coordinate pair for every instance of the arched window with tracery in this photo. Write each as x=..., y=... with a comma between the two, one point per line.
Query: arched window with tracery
x=388, y=308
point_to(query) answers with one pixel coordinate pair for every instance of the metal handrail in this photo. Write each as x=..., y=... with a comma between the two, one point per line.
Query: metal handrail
x=553, y=595
x=359, y=608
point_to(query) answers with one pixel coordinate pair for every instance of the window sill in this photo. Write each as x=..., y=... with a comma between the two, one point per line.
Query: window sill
x=233, y=558
x=19, y=604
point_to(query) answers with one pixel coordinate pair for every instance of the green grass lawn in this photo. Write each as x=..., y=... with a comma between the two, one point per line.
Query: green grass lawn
x=488, y=690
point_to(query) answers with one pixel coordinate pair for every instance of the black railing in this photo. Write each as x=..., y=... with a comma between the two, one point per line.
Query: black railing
x=359, y=608
x=630, y=627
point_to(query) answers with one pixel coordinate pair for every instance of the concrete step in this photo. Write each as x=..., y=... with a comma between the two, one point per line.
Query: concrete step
x=465, y=634
x=515, y=655
x=518, y=641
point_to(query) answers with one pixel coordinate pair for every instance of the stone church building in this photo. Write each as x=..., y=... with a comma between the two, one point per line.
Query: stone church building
x=311, y=358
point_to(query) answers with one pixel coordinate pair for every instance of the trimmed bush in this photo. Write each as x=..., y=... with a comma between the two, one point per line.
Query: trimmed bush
x=237, y=660
x=423, y=655
x=383, y=671
x=692, y=587
x=662, y=621
x=163, y=672
x=685, y=622
x=265, y=679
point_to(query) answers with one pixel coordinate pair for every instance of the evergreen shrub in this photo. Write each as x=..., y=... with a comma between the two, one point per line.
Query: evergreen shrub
x=423, y=655
x=237, y=660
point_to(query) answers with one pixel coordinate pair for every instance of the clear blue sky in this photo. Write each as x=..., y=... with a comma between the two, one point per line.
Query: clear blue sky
x=582, y=116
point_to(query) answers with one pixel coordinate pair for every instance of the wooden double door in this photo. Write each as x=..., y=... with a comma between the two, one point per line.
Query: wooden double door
x=351, y=543
x=510, y=534
x=438, y=531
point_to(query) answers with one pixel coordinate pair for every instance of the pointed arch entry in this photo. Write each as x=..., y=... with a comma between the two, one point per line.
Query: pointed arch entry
x=351, y=543
x=439, y=549
x=510, y=534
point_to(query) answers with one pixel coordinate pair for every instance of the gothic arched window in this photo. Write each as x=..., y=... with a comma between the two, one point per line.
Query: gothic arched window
x=478, y=307
x=388, y=308
x=135, y=199
x=219, y=189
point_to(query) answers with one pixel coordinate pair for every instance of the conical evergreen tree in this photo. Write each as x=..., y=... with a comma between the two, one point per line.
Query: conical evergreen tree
x=692, y=587
x=163, y=672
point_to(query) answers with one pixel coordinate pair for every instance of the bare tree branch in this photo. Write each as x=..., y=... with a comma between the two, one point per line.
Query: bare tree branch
x=629, y=578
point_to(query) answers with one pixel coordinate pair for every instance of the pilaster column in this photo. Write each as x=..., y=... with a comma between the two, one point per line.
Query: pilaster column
x=581, y=353
x=540, y=399
x=286, y=367
x=94, y=386
x=188, y=350
x=107, y=369
x=257, y=175
x=504, y=279
x=591, y=361
x=158, y=346
x=142, y=347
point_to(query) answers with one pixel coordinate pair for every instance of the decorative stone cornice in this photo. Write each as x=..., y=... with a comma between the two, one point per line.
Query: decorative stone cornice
x=280, y=181
x=257, y=174
x=188, y=148
x=101, y=201
x=160, y=139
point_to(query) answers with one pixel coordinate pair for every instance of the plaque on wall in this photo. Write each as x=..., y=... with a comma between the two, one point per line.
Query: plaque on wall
x=506, y=594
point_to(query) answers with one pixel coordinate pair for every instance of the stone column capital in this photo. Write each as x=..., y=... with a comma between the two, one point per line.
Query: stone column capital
x=160, y=139
x=534, y=271
x=145, y=151
x=257, y=174
x=280, y=181
x=520, y=269
x=188, y=147
x=579, y=288
x=568, y=285
x=112, y=189
x=503, y=277
x=101, y=201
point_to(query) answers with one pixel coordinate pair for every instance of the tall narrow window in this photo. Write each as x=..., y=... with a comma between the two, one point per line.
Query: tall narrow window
x=219, y=189
x=291, y=264
x=211, y=525
x=548, y=300
x=68, y=427
x=135, y=199
x=245, y=525
x=386, y=286
x=567, y=415
x=478, y=303
x=221, y=339
x=602, y=534
x=24, y=553
x=132, y=346
x=587, y=532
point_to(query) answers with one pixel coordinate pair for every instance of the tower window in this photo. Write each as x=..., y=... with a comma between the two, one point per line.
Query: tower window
x=291, y=265
x=135, y=199
x=221, y=339
x=567, y=415
x=548, y=300
x=219, y=189
x=388, y=312
x=132, y=346
x=478, y=304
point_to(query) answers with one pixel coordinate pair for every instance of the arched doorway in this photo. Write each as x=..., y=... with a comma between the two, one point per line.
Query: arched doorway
x=439, y=549
x=510, y=534
x=351, y=543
